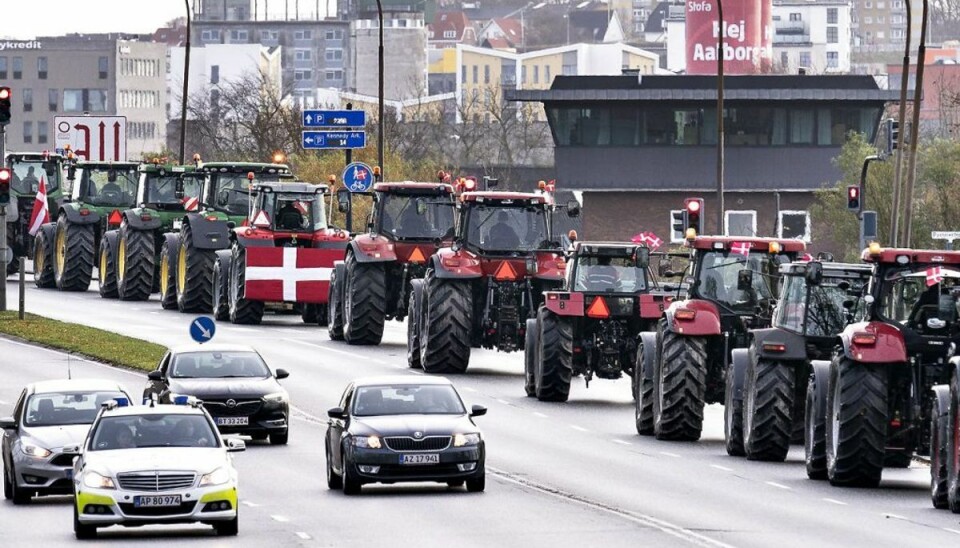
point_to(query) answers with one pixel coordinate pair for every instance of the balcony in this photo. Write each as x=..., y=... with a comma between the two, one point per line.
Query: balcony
x=790, y=27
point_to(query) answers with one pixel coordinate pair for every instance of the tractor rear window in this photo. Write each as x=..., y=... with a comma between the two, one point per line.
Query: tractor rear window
x=295, y=212
x=820, y=315
x=232, y=190
x=27, y=175
x=915, y=295
x=104, y=187
x=162, y=190
x=610, y=274
x=507, y=228
x=719, y=275
x=425, y=216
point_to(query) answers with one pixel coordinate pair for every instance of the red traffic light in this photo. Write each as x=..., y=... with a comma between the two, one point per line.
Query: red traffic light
x=853, y=192
x=5, y=175
x=693, y=206
x=4, y=93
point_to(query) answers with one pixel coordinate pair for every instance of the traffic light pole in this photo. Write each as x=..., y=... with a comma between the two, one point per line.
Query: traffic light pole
x=3, y=226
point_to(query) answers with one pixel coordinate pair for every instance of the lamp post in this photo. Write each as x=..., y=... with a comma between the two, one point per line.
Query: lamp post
x=904, y=78
x=720, y=204
x=915, y=133
x=380, y=91
x=186, y=90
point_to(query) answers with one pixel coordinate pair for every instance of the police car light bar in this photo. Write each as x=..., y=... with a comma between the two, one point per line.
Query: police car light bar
x=185, y=400
x=115, y=403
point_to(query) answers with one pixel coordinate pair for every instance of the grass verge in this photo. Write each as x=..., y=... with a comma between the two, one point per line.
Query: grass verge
x=89, y=342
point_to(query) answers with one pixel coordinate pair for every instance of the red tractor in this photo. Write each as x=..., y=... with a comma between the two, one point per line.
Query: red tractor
x=408, y=223
x=285, y=255
x=480, y=291
x=590, y=327
x=684, y=364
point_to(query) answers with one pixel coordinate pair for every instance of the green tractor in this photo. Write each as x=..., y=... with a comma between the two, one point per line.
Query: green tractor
x=28, y=169
x=98, y=192
x=187, y=256
x=128, y=263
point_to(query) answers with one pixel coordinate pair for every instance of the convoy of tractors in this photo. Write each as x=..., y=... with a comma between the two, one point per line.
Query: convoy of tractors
x=856, y=362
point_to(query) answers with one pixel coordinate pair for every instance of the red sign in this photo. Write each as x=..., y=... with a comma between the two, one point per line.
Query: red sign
x=743, y=30
x=291, y=274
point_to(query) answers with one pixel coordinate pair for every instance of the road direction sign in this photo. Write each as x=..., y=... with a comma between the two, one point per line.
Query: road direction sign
x=936, y=235
x=334, y=139
x=202, y=329
x=334, y=118
x=92, y=138
x=358, y=177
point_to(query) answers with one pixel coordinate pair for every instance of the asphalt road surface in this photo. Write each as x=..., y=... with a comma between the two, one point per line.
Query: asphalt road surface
x=573, y=474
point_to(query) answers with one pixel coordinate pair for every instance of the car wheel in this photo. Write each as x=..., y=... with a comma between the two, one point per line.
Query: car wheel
x=334, y=481
x=81, y=531
x=280, y=438
x=19, y=496
x=351, y=485
x=477, y=485
x=227, y=528
x=258, y=437
x=457, y=483
x=7, y=485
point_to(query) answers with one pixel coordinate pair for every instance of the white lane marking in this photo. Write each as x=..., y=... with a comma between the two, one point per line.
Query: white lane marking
x=893, y=516
x=621, y=442
x=338, y=351
x=302, y=535
x=949, y=530
x=504, y=402
x=676, y=531
x=778, y=485
x=835, y=501
x=578, y=428
x=281, y=519
x=540, y=415
x=248, y=503
x=724, y=468
x=468, y=389
x=666, y=454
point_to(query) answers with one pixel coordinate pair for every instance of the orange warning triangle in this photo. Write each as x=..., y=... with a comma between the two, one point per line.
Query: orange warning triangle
x=505, y=272
x=115, y=218
x=598, y=309
x=417, y=256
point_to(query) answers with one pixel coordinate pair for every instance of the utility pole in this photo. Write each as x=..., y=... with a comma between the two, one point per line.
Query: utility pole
x=901, y=121
x=720, y=204
x=380, y=91
x=915, y=133
x=186, y=89
x=4, y=250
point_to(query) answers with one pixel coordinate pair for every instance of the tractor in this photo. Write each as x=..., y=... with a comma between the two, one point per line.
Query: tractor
x=128, y=265
x=766, y=401
x=480, y=291
x=408, y=223
x=885, y=394
x=684, y=363
x=187, y=256
x=590, y=327
x=284, y=257
x=98, y=192
x=28, y=168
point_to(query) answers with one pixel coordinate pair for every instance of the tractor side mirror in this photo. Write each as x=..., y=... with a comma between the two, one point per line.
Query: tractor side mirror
x=745, y=280
x=112, y=176
x=490, y=182
x=573, y=208
x=814, y=273
x=343, y=200
x=642, y=255
x=50, y=168
x=179, y=189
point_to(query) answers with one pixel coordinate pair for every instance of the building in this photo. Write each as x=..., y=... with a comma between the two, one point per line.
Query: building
x=636, y=148
x=940, y=106
x=816, y=36
x=450, y=28
x=102, y=74
x=502, y=33
x=881, y=25
x=405, y=58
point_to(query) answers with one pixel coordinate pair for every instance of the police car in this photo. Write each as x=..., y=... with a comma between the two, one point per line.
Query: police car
x=155, y=464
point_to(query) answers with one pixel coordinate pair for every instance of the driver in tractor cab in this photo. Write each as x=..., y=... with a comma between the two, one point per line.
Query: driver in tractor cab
x=502, y=235
x=290, y=218
x=602, y=276
x=109, y=190
x=412, y=222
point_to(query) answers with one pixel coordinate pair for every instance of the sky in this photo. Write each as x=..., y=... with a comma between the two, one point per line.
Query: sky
x=27, y=19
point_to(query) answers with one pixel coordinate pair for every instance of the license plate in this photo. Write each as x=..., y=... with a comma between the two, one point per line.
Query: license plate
x=233, y=421
x=430, y=458
x=150, y=501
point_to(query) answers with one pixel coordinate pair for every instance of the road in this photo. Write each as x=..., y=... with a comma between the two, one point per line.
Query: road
x=573, y=474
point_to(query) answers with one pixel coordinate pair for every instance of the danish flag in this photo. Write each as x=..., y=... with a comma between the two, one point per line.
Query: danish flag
x=648, y=238
x=291, y=274
x=740, y=248
x=934, y=275
x=41, y=210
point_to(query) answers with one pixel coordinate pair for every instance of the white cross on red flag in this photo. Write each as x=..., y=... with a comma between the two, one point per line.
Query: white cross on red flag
x=648, y=238
x=740, y=248
x=934, y=275
x=291, y=274
x=41, y=210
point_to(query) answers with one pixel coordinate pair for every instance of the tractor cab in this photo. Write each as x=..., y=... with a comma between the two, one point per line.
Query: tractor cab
x=609, y=268
x=411, y=212
x=169, y=187
x=104, y=184
x=226, y=188
x=818, y=299
x=29, y=167
x=505, y=223
x=289, y=207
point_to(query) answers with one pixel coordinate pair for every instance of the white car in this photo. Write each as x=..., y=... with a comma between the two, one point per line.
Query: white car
x=155, y=464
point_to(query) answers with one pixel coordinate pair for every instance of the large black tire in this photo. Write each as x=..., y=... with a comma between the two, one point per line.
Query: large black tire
x=43, y=275
x=643, y=396
x=856, y=423
x=953, y=446
x=80, y=530
x=364, y=302
x=477, y=485
x=768, y=410
x=107, y=265
x=681, y=385
x=530, y=344
x=939, y=420
x=815, y=424
x=168, y=286
x=220, y=280
x=73, y=254
x=335, y=304
x=314, y=314
x=414, y=319
x=448, y=320
x=242, y=311
x=194, y=287
x=136, y=260
x=733, y=411
x=554, y=357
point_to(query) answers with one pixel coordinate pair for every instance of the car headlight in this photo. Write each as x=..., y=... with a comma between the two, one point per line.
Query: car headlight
x=463, y=440
x=217, y=477
x=370, y=442
x=276, y=397
x=35, y=451
x=98, y=481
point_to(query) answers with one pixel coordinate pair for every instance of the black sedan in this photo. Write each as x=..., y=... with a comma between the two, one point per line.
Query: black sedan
x=403, y=429
x=235, y=385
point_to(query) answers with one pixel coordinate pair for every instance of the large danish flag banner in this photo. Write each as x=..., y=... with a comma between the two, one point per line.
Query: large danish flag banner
x=290, y=274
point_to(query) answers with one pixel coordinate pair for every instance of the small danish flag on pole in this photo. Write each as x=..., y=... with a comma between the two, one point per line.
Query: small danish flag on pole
x=653, y=241
x=41, y=210
x=740, y=248
x=934, y=275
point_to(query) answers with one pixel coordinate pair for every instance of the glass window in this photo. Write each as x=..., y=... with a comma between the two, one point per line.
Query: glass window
x=53, y=97
x=833, y=59
x=625, y=126
x=218, y=365
x=463, y=74
x=546, y=74
x=407, y=400
x=476, y=72
x=99, y=189
x=28, y=172
x=333, y=54
x=502, y=227
x=17, y=68
x=795, y=17
x=536, y=74
x=906, y=298
x=3, y=68
x=239, y=36
x=42, y=134
x=801, y=126
x=612, y=274
x=303, y=35
x=832, y=16
x=153, y=430
x=719, y=274
x=163, y=190
x=805, y=59
x=486, y=74
x=42, y=68
x=833, y=35
x=28, y=132
x=103, y=65
x=96, y=100
x=302, y=75
x=333, y=75
x=791, y=307
x=65, y=408
x=302, y=55
x=741, y=223
x=27, y=99
x=415, y=216
x=794, y=225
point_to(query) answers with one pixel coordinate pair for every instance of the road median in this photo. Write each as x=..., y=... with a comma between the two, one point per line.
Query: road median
x=89, y=342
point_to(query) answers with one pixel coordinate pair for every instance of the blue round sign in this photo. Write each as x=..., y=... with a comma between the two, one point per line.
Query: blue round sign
x=358, y=177
x=202, y=329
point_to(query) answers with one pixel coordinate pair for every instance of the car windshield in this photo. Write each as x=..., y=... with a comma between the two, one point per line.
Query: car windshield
x=162, y=190
x=28, y=172
x=823, y=314
x=296, y=212
x=64, y=408
x=425, y=216
x=918, y=293
x=506, y=228
x=152, y=430
x=232, y=190
x=370, y=401
x=720, y=271
x=99, y=189
x=610, y=274
x=218, y=365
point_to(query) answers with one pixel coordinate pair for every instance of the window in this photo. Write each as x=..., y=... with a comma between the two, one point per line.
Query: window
x=833, y=59
x=210, y=35
x=27, y=99
x=476, y=71
x=302, y=55
x=486, y=74
x=17, y=68
x=868, y=20
x=303, y=35
x=676, y=226
x=103, y=65
x=452, y=34
x=896, y=33
x=546, y=74
x=52, y=99
x=794, y=225
x=868, y=5
x=269, y=35
x=898, y=4
x=880, y=20
x=333, y=75
x=28, y=132
x=804, y=58
x=880, y=35
x=833, y=35
x=96, y=100
x=463, y=74
x=302, y=75
x=41, y=133
x=73, y=100
x=536, y=74
x=333, y=55
x=334, y=35
x=795, y=17
x=741, y=223
x=42, y=68
x=832, y=16
x=81, y=100
x=881, y=5
x=215, y=74
x=239, y=36
x=784, y=59
x=569, y=70
x=3, y=68
x=801, y=126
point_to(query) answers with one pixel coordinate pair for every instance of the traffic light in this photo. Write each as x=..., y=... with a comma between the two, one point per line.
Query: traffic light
x=893, y=135
x=5, y=176
x=692, y=210
x=5, y=105
x=853, y=198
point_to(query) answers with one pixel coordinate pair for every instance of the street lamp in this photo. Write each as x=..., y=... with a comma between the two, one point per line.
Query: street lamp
x=904, y=78
x=915, y=133
x=720, y=204
x=380, y=91
x=186, y=89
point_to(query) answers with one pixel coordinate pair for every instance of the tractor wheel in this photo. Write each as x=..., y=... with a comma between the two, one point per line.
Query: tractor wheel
x=364, y=302
x=242, y=311
x=73, y=255
x=856, y=423
x=43, y=261
x=314, y=314
x=953, y=446
x=554, y=365
x=643, y=396
x=413, y=324
x=447, y=323
x=768, y=410
x=335, y=304
x=939, y=421
x=135, y=263
x=168, y=289
x=680, y=384
x=221, y=288
x=194, y=273
x=733, y=409
x=530, y=344
x=815, y=425
x=107, y=265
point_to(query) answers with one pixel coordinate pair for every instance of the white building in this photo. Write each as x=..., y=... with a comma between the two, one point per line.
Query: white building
x=814, y=35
